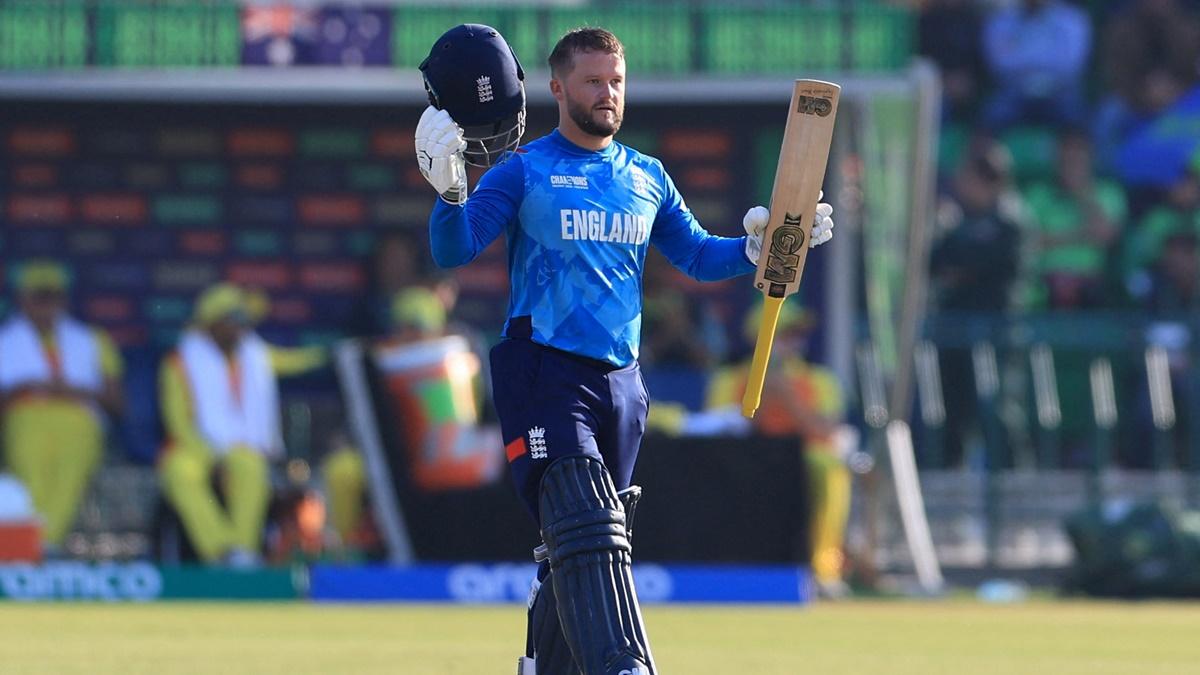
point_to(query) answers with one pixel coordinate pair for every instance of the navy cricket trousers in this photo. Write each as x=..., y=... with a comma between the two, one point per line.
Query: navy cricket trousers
x=553, y=404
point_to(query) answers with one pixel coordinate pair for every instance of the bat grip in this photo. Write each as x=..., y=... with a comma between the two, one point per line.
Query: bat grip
x=762, y=355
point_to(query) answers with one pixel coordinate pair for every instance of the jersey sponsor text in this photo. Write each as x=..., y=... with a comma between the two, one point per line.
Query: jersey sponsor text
x=577, y=182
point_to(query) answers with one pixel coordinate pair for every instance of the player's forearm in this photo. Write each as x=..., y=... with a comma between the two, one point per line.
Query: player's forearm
x=452, y=238
x=289, y=361
x=720, y=258
x=458, y=234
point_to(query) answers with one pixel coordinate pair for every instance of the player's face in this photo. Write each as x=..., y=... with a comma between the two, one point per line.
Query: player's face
x=594, y=92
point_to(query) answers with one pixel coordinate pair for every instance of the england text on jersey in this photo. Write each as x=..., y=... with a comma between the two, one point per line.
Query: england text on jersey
x=593, y=225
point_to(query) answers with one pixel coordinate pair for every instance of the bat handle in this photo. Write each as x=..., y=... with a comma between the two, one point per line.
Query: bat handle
x=762, y=355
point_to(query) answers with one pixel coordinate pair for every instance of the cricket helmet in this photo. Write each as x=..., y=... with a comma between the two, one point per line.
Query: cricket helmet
x=474, y=75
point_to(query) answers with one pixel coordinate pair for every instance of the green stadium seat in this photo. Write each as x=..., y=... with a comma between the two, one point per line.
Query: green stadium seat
x=952, y=143
x=1033, y=151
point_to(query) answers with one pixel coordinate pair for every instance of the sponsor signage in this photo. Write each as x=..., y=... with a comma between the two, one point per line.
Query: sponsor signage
x=474, y=583
x=144, y=582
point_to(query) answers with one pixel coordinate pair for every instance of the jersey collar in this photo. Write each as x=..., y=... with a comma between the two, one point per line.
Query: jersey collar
x=564, y=145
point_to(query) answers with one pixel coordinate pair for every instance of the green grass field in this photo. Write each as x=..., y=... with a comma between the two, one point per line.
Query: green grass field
x=898, y=638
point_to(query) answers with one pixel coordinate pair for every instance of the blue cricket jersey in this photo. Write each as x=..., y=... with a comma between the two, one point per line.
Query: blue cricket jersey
x=578, y=222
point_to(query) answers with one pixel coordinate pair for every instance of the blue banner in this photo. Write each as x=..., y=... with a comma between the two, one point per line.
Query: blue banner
x=145, y=582
x=510, y=583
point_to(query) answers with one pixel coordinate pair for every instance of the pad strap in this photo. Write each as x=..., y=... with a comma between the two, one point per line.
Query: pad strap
x=629, y=499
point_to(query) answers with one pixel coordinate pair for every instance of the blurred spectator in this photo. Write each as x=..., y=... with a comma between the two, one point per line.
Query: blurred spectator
x=1037, y=51
x=59, y=378
x=430, y=381
x=676, y=332
x=1156, y=154
x=415, y=315
x=1174, y=288
x=345, y=477
x=975, y=262
x=1076, y=219
x=974, y=267
x=801, y=400
x=399, y=262
x=1178, y=215
x=1151, y=56
x=297, y=532
x=949, y=32
x=287, y=361
x=342, y=469
x=1151, y=40
x=220, y=406
x=672, y=336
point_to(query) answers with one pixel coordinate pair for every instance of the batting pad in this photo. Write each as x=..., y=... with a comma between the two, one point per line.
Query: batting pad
x=583, y=525
x=546, y=641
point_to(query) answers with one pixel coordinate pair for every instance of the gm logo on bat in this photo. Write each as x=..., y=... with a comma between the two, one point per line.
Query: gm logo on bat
x=782, y=260
x=812, y=105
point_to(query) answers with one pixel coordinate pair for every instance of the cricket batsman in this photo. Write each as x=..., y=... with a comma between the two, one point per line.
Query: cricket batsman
x=578, y=211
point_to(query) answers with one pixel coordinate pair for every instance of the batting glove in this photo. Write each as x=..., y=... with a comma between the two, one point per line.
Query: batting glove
x=755, y=222
x=440, y=148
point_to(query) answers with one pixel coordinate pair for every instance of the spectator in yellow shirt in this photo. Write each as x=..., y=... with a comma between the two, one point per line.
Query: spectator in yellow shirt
x=287, y=361
x=343, y=471
x=220, y=406
x=59, y=379
x=801, y=400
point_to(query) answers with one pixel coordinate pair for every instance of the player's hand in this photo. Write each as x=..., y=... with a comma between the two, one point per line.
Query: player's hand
x=822, y=230
x=755, y=223
x=440, y=148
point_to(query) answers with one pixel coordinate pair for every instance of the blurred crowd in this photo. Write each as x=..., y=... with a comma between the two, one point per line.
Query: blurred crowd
x=223, y=472
x=241, y=499
x=1069, y=179
x=1071, y=154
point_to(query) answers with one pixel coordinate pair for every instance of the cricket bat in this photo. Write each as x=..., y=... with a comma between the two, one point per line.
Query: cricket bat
x=798, y=178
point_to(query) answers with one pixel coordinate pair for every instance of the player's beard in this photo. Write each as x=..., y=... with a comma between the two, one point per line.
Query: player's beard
x=584, y=118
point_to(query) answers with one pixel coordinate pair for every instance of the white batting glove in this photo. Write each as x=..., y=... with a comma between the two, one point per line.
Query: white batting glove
x=822, y=224
x=440, y=148
x=755, y=222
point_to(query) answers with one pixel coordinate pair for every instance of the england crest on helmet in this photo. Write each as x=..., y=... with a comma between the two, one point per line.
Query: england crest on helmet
x=474, y=75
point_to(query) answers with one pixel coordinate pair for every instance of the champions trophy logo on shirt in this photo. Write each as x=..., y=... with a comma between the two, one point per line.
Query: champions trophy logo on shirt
x=537, y=443
x=484, y=86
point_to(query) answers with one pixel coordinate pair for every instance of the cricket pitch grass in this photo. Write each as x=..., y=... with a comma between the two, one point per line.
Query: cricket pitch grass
x=856, y=637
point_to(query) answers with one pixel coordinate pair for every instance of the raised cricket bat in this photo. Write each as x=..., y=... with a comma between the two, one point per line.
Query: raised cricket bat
x=798, y=179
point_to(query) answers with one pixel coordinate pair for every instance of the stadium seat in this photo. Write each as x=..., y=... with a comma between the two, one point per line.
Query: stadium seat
x=952, y=142
x=1033, y=151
